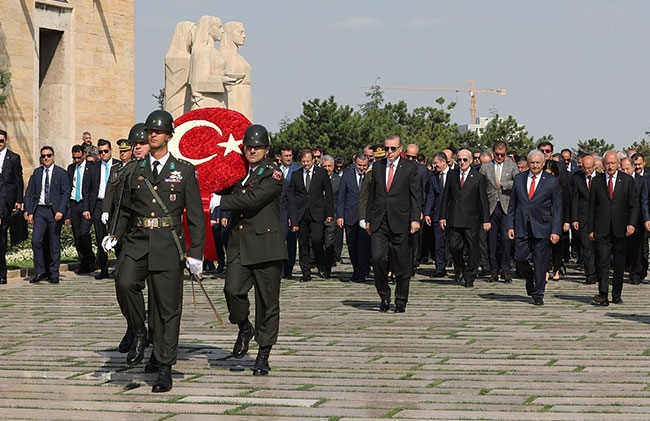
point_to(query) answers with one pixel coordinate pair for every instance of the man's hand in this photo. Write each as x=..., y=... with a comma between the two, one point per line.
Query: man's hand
x=647, y=225
x=104, y=218
x=59, y=216
x=415, y=227
x=329, y=219
x=443, y=224
x=108, y=243
x=576, y=225
x=340, y=222
x=367, y=224
x=486, y=226
x=566, y=227
x=30, y=219
x=630, y=230
x=555, y=238
x=194, y=265
x=86, y=214
x=427, y=220
x=295, y=229
x=591, y=236
x=18, y=206
x=511, y=234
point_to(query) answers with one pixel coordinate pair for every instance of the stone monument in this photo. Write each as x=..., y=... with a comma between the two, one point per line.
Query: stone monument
x=238, y=95
x=177, y=69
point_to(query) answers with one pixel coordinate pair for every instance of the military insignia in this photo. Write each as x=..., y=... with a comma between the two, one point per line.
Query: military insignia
x=172, y=166
x=172, y=197
x=174, y=177
x=142, y=163
x=277, y=175
x=140, y=178
x=260, y=171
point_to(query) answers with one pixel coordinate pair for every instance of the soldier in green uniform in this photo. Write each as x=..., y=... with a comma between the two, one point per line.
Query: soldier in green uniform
x=256, y=249
x=150, y=226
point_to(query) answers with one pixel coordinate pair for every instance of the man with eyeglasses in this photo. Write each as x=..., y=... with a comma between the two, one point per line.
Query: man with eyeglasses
x=46, y=201
x=11, y=196
x=317, y=153
x=106, y=164
x=84, y=180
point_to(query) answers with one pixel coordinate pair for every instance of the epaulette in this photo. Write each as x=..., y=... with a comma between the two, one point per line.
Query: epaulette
x=276, y=172
x=119, y=175
x=188, y=163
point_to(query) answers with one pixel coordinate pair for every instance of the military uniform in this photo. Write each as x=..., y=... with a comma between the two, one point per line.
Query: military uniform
x=150, y=251
x=256, y=250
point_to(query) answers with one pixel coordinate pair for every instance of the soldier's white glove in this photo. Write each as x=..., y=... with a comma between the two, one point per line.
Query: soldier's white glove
x=194, y=265
x=104, y=218
x=108, y=243
x=362, y=224
x=215, y=202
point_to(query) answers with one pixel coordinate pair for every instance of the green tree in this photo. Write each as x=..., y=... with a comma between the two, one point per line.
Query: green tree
x=643, y=147
x=509, y=131
x=593, y=145
x=375, y=99
x=160, y=98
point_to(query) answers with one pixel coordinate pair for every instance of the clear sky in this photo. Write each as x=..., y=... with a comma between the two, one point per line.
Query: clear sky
x=572, y=69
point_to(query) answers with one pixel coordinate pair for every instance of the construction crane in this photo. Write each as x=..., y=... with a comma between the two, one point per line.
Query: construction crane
x=472, y=93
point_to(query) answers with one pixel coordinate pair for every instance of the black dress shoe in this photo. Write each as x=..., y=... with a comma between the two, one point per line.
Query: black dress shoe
x=261, y=366
x=246, y=333
x=494, y=277
x=400, y=308
x=127, y=340
x=38, y=278
x=506, y=277
x=305, y=279
x=102, y=275
x=600, y=301
x=3, y=281
x=468, y=283
x=53, y=280
x=153, y=365
x=617, y=300
x=136, y=352
x=384, y=305
x=538, y=302
x=164, y=380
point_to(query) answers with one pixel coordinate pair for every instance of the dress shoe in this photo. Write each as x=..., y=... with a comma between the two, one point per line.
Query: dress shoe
x=617, y=300
x=506, y=278
x=304, y=279
x=589, y=281
x=634, y=280
x=102, y=275
x=325, y=273
x=440, y=274
x=164, y=380
x=221, y=268
x=53, y=280
x=82, y=271
x=246, y=333
x=494, y=277
x=384, y=305
x=153, y=365
x=469, y=283
x=3, y=281
x=261, y=366
x=38, y=278
x=600, y=301
x=400, y=308
x=127, y=340
x=538, y=302
x=136, y=352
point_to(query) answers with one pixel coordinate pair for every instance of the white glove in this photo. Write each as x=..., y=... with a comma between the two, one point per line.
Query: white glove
x=194, y=265
x=215, y=202
x=362, y=224
x=108, y=243
x=104, y=218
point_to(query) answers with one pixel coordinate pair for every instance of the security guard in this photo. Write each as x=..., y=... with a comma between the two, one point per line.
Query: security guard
x=150, y=225
x=256, y=249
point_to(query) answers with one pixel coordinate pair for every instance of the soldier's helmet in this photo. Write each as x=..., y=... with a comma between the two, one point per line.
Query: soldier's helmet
x=160, y=120
x=256, y=135
x=137, y=133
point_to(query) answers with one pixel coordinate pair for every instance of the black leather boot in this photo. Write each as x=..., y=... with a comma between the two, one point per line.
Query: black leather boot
x=246, y=333
x=127, y=340
x=261, y=367
x=136, y=352
x=153, y=365
x=164, y=381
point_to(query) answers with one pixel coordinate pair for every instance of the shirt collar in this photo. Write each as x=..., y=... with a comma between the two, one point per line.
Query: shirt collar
x=162, y=160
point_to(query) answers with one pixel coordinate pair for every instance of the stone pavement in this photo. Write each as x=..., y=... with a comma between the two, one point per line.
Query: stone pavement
x=457, y=353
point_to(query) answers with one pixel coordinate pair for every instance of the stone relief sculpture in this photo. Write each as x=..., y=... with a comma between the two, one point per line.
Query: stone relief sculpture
x=177, y=69
x=239, y=97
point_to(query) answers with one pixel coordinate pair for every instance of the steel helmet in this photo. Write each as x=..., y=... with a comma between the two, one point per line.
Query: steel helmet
x=137, y=133
x=160, y=120
x=256, y=135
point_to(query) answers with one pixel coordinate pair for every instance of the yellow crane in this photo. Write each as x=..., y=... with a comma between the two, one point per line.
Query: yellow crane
x=472, y=93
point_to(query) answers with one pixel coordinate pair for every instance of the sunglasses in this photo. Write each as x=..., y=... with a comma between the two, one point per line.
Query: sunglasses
x=477, y=157
x=391, y=148
x=2, y=140
x=317, y=156
x=47, y=155
x=103, y=151
x=499, y=154
x=463, y=159
x=546, y=150
x=412, y=157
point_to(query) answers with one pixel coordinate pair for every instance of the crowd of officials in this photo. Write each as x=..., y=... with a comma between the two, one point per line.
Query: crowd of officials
x=471, y=214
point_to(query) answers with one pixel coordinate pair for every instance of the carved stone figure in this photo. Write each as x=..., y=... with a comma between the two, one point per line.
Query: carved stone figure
x=239, y=96
x=177, y=69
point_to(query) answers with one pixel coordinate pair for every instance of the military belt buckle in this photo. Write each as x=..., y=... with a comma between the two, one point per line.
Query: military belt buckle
x=152, y=223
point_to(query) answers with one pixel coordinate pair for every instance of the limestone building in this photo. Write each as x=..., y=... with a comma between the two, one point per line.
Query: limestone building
x=72, y=65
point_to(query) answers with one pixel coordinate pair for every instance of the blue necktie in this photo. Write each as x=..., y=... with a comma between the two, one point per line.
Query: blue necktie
x=77, y=196
x=107, y=172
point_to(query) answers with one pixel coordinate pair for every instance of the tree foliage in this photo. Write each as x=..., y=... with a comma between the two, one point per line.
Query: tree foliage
x=509, y=131
x=643, y=147
x=593, y=145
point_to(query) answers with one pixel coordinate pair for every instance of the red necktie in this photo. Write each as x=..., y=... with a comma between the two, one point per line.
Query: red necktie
x=391, y=172
x=610, y=187
x=589, y=182
x=531, y=190
x=462, y=178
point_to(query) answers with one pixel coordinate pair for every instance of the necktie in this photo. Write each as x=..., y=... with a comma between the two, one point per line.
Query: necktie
x=462, y=178
x=610, y=187
x=46, y=187
x=391, y=173
x=77, y=195
x=360, y=181
x=531, y=190
x=442, y=181
x=498, y=173
x=307, y=181
x=107, y=172
x=589, y=182
x=155, y=169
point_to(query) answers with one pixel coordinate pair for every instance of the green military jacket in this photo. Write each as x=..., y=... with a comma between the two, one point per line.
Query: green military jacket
x=178, y=188
x=255, y=231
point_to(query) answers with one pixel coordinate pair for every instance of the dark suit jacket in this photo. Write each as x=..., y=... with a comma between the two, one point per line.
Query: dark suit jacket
x=544, y=210
x=641, y=185
x=612, y=216
x=434, y=198
x=402, y=204
x=319, y=198
x=284, y=200
x=348, y=200
x=59, y=190
x=11, y=184
x=89, y=184
x=425, y=183
x=580, y=199
x=465, y=207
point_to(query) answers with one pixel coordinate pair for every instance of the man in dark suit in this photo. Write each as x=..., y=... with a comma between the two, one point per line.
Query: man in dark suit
x=287, y=166
x=331, y=230
x=11, y=196
x=311, y=204
x=46, y=202
x=535, y=222
x=392, y=215
x=635, y=261
x=84, y=181
x=463, y=213
x=347, y=214
x=613, y=215
x=582, y=183
x=640, y=170
x=432, y=211
x=570, y=165
x=425, y=185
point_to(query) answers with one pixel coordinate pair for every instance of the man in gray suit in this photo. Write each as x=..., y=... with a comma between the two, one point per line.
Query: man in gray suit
x=500, y=175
